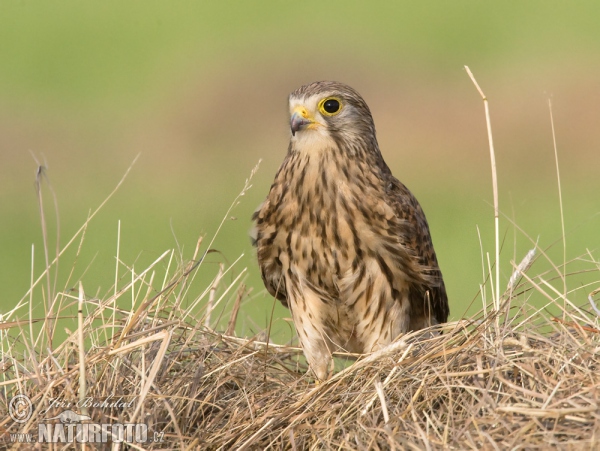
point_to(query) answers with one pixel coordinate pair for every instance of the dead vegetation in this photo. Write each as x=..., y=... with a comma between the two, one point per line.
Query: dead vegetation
x=512, y=377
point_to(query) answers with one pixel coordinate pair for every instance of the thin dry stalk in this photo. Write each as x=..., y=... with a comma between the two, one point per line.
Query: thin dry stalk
x=236, y=309
x=592, y=302
x=211, y=297
x=81, y=346
x=48, y=323
x=560, y=200
x=496, y=294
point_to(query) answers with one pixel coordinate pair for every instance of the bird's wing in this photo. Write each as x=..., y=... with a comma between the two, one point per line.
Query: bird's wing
x=430, y=294
x=270, y=266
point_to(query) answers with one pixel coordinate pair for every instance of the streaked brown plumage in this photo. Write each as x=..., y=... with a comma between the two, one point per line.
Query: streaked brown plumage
x=340, y=241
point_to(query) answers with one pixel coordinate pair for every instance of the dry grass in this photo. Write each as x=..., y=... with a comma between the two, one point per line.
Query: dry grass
x=533, y=385
x=513, y=377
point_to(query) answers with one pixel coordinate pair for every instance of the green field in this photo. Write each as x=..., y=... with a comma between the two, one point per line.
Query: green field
x=199, y=90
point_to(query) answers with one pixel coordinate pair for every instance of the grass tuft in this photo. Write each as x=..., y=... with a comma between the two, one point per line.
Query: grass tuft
x=533, y=385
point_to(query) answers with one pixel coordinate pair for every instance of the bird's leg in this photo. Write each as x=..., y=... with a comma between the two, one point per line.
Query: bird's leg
x=319, y=360
x=316, y=351
x=313, y=338
x=323, y=372
x=331, y=368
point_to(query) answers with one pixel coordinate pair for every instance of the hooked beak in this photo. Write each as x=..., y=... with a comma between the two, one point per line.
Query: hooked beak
x=300, y=118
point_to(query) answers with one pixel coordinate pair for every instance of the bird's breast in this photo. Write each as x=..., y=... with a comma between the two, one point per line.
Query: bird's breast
x=318, y=219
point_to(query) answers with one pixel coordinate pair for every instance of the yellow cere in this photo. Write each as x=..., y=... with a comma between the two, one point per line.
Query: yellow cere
x=302, y=111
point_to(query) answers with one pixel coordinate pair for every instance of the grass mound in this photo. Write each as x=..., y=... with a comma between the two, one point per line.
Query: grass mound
x=510, y=378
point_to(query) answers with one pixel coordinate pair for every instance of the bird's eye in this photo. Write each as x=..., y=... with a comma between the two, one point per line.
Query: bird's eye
x=330, y=106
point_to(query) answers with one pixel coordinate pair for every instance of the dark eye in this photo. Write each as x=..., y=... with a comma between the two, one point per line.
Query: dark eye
x=331, y=106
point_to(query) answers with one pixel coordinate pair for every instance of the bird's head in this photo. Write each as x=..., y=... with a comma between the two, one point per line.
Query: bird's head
x=330, y=113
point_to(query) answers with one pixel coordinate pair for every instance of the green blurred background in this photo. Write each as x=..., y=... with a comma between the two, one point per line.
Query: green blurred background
x=200, y=90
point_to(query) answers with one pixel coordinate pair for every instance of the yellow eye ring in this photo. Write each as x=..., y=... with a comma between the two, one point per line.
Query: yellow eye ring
x=330, y=106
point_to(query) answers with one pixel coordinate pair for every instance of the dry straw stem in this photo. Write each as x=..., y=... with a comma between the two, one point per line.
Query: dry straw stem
x=560, y=200
x=496, y=292
x=592, y=302
x=531, y=384
x=81, y=345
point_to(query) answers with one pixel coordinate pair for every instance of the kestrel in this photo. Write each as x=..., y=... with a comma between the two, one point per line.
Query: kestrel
x=340, y=241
